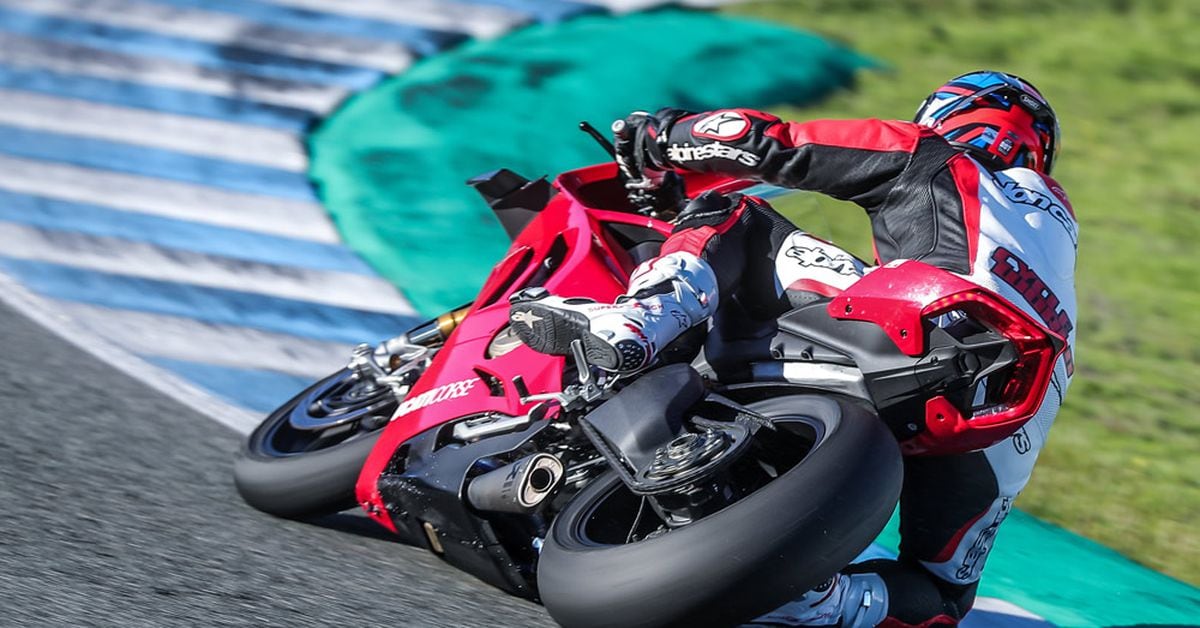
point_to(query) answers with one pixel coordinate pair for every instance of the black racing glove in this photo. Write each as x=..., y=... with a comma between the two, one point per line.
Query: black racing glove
x=638, y=141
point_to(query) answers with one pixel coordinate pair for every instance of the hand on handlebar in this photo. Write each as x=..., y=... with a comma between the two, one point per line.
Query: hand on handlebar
x=637, y=150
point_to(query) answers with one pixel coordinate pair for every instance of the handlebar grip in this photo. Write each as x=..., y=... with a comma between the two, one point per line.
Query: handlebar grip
x=625, y=136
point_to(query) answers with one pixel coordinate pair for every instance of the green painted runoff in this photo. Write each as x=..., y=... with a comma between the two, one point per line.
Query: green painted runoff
x=391, y=164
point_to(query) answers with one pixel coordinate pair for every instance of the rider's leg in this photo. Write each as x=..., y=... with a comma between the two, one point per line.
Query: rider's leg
x=808, y=268
x=723, y=247
x=667, y=296
x=702, y=259
x=950, y=510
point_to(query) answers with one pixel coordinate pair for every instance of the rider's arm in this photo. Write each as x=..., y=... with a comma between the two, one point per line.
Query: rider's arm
x=856, y=160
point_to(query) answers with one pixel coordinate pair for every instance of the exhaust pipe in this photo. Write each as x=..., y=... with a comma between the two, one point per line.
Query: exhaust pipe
x=519, y=487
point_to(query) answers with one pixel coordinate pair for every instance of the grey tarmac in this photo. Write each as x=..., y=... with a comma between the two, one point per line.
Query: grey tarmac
x=117, y=508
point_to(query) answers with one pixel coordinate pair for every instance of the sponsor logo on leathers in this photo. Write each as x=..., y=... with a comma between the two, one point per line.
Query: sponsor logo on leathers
x=1013, y=271
x=1019, y=276
x=1033, y=198
x=839, y=263
x=972, y=562
x=723, y=125
x=1021, y=442
x=680, y=153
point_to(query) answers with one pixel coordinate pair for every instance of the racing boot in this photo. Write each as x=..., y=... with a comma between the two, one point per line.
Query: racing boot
x=666, y=297
x=853, y=601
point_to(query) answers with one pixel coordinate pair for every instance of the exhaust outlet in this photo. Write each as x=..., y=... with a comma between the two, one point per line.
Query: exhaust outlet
x=519, y=487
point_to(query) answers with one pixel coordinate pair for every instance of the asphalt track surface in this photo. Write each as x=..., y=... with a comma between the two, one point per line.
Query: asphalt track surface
x=118, y=509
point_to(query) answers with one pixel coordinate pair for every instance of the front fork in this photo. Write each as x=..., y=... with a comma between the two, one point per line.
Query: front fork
x=432, y=332
x=399, y=361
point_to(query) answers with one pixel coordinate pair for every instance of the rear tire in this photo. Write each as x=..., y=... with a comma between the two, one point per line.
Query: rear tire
x=304, y=483
x=740, y=562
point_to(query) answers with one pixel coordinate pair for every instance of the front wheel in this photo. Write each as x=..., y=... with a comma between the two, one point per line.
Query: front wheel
x=609, y=560
x=304, y=459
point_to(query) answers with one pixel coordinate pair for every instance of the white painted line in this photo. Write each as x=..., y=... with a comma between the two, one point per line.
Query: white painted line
x=1001, y=607
x=477, y=20
x=170, y=199
x=223, y=28
x=48, y=316
x=197, y=136
x=27, y=52
x=180, y=338
x=990, y=612
x=148, y=261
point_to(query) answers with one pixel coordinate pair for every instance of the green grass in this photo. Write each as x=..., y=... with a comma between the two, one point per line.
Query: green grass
x=1123, y=463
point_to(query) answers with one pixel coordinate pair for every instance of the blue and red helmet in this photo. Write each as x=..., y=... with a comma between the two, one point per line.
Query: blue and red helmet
x=998, y=116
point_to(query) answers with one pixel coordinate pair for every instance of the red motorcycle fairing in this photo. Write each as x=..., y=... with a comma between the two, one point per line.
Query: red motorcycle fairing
x=902, y=296
x=569, y=248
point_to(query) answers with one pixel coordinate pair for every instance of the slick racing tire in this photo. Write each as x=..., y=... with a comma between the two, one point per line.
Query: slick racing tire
x=744, y=560
x=299, y=474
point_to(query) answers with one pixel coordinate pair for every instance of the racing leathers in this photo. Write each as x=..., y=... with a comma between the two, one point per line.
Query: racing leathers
x=1011, y=231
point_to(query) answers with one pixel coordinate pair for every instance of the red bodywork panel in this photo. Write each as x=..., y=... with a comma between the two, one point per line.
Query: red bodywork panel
x=902, y=296
x=592, y=266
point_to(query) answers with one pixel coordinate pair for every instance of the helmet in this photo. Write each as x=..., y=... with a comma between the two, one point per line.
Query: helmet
x=1000, y=117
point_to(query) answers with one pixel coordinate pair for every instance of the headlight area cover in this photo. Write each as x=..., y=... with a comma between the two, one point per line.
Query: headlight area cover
x=902, y=297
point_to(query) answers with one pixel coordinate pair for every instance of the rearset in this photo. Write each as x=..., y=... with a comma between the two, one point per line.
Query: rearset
x=575, y=397
x=587, y=390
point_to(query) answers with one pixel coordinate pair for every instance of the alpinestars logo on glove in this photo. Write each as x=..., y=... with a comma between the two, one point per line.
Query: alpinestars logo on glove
x=723, y=125
x=680, y=153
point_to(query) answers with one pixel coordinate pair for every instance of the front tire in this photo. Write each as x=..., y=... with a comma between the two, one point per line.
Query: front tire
x=293, y=473
x=740, y=562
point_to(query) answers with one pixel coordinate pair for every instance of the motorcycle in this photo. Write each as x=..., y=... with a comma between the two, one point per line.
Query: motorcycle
x=754, y=461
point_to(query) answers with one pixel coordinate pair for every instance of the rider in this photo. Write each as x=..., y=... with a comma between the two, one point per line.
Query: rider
x=964, y=187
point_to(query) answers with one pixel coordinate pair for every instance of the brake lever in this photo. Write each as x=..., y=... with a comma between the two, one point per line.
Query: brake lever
x=608, y=147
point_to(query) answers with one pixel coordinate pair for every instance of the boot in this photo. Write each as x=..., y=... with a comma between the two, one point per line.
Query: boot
x=666, y=297
x=854, y=601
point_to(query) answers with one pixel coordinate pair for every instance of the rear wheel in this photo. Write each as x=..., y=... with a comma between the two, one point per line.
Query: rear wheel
x=610, y=559
x=304, y=459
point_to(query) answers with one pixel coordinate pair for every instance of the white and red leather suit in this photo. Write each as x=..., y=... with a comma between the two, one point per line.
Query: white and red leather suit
x=1010, y=230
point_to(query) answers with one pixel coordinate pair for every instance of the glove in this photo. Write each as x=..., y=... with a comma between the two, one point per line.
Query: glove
x=639, y=138
x=637, y=142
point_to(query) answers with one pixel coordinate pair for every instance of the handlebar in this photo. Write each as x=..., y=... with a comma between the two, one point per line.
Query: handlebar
x=659, y=198
x=634, y=176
